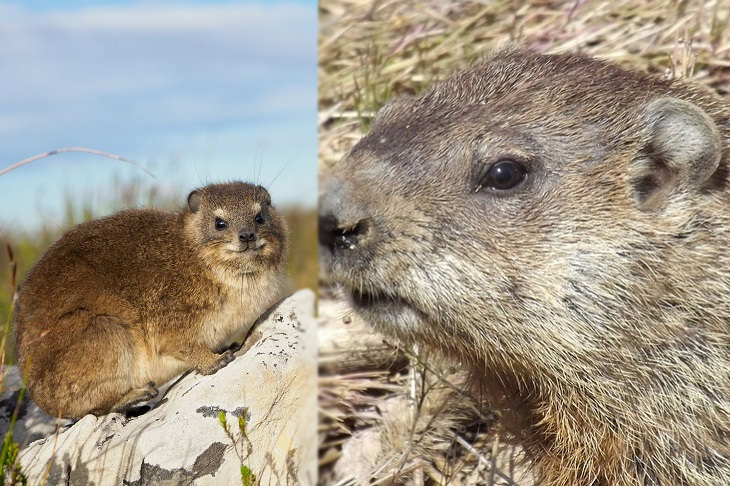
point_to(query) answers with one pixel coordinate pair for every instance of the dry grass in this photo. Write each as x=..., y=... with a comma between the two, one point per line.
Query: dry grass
x=370, y=51
x=409, y=421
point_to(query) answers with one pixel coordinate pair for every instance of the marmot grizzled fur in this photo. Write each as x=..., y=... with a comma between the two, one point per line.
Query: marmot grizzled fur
x=561, y=225
x=120, y=305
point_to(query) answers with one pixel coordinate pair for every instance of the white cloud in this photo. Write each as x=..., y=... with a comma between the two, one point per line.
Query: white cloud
x=158, y=64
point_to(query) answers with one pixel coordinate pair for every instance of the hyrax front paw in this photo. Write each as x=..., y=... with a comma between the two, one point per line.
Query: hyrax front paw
x=217, y=362
x=135, y=396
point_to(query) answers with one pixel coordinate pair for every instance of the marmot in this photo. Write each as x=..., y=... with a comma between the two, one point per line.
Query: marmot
x=120, y=305
x=561, y=225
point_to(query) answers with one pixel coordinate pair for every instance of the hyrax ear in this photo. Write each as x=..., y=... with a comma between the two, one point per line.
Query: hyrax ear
x=194, y=201
x=681, y=149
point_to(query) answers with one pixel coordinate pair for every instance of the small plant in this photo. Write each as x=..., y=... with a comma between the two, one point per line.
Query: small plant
x=248, y=478
x=10, y=472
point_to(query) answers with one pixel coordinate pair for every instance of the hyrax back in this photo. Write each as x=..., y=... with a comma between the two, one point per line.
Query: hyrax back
x=562, y=226
x=120, y=305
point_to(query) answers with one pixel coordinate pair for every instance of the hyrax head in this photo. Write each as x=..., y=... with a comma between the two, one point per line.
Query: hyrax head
x=531, y=204
x=236, y=227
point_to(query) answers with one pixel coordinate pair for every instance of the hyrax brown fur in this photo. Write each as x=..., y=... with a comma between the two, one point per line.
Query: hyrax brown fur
x=120, y=305
x=562, y=226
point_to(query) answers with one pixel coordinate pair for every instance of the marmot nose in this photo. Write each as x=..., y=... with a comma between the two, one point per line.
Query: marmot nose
x=246, y=236
x=344, y=222
x=333, y=235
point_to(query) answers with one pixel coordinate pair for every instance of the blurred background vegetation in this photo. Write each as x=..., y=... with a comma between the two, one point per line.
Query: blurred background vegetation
x=28, y=245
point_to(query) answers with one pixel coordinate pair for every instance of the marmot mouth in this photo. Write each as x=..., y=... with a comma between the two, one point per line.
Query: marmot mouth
x=365, y=299
x=386, y=312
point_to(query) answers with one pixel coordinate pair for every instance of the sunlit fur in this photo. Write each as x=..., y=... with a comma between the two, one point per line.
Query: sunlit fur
x=594, y=310
x=120, y=305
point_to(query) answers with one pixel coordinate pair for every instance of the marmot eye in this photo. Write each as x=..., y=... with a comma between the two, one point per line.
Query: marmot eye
x=259, y=218
x=220, y=224
x=503, y=174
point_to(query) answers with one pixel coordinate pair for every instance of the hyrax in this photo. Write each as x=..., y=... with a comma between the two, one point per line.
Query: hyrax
x=561, y=226
x=120, y=305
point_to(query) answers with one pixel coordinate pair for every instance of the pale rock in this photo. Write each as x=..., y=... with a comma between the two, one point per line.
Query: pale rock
x=273, y=382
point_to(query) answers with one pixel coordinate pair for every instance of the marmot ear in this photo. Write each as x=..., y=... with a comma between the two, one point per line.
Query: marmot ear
x=682, y=148
x=194, y=201
x=394, y=107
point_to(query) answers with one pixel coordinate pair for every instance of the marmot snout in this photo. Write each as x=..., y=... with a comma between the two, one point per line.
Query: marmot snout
x=120, y=305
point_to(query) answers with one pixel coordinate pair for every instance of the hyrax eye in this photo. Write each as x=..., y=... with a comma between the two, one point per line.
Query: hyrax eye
x=502, y=175
x=220, y=224
x=259, y=218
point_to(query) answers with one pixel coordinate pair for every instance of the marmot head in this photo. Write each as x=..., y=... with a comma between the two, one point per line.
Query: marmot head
x=236, y=227
x=538, y=209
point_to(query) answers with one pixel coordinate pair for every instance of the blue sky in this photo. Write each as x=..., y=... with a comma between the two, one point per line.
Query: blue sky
x=194, y=91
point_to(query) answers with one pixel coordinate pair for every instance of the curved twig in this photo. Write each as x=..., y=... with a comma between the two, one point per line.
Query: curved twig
x=75, y=149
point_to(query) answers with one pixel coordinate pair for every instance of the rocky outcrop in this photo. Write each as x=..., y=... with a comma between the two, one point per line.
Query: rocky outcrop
x=267, y=396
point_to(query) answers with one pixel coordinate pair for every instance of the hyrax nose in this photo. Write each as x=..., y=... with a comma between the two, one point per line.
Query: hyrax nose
x=246, y=236
x=336, y=235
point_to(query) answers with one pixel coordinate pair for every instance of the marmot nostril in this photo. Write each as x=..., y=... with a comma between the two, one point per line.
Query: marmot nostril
x=354, y=233
x=332, y=235
x=345, y=240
